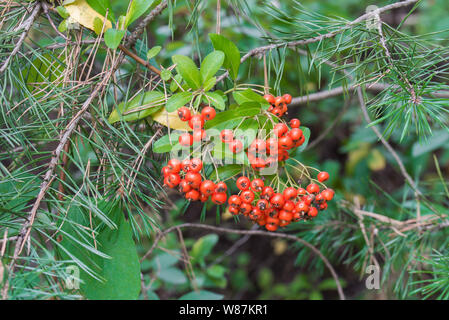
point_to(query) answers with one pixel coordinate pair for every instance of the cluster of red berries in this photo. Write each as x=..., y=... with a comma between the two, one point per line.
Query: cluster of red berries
x=187, y=177
x=261, y=153
x=268, y=208
x=278, y=105
x=196, y=122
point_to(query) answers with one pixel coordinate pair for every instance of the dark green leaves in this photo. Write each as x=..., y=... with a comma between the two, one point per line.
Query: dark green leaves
x=137, y=8
x=201, y=295
x=203, y=246
x=232, y=53
x=177, y=100
x=188, y=70
x=226, y=172
x=164, y=144
x=139, y=107
x=249, y=95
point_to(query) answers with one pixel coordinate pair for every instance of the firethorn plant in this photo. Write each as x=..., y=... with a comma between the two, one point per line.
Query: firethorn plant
x=219, y=135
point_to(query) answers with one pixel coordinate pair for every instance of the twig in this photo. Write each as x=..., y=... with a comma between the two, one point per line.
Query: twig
x=251, y=232
x=26, y=28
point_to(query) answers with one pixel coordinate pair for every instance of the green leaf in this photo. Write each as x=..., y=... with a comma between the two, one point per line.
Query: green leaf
x=178, y=100
x=209, y=84
x=62, y=12
x=121, y=273
x=138, y=8
x=174, y=84
x=232, y=53
x=226, y=172
x=172, y=275
x=101, y=6
x=63, y=26
x=153, y=52
x=437, y=140
x=165, y=74
x=210, y=65
x=113, y=37
x=144, y=104
x=202, y=247
x=164, y=144
x=249, y=95
x=188, y=70
x=214, y=99
x=216, y=271
x=201, y=295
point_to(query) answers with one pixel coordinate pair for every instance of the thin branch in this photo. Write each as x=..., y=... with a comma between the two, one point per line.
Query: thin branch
x=26, y=26
x=250, y=232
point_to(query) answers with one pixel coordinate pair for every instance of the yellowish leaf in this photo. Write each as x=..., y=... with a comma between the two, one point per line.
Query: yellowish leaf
x=376, y=160
x=80, y=11
x=170, y=119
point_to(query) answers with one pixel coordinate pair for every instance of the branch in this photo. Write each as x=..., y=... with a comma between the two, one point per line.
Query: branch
x=26, y=28
x=291, y=44
x=251, y=232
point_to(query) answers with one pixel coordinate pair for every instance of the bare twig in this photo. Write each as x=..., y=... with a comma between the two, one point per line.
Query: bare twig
x=251, y=232
x=26, y=26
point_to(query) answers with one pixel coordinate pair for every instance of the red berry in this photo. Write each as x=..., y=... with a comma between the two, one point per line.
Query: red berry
x=295, y=123
x=226, y=135
x=174, y=179
x=313, y=212
x=245, y=208
x=258, y=146
x=328, y=194
x=257, y=185
x=277, y=112
x=277, y=201
x=208, y=113
x=287, y=98
x=184, y=114
x=290, y=193
x=302, y=207
x=313, y=188
x=286, y=142
x=185, y=165
x=166, y=171
x=199, y=135
x=269, y=98
x=255, y=214
x=196, y=165
x=323, y=176
x=196, y=122
x=234, y=201
x=323, y=206
x=272, y=146
x=193, y=195
x=204, y=197
x=267, y=192
x=219, y=198
x=247, y=196
x=243, y=183
x=280, y=129
x=301, y=191
x=174, y=165
x=271, y=227
x=184, y=186
x=194, y=179
x=285, y=215
x=207, y=187
x=236, y=146
x=185, y=139
x=221, y=187
x=278, y=101
x=262, y=204
x=234, y=210
x=289, y=206
x=295, y=134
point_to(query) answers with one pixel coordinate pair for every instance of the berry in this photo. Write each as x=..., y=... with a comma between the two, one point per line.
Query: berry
x=199, y=135
x=328, y=194
x=287, y=98
x=221, y=187
x=278, y=101
x=207, y=187
x=286, y=142
x=245, y=208
x=255, y=214
x=194, y=179
x=174, y=179
x=295, y=123
x=295, y=134
x=277, y=201
x=196, y=165
x=313, y=188
x=271, y=227
x=323, y=206
x=192, y=195
x=269, y=98
x=234, y=201
x=257, y=185
x=203, y=197
x=247, y=196
x=285, y=215
x=313, y=212
x=243, y=183
x=267, y=193
x=208, y=113
x=166, y=171
x=185, y=139
x=272, y=146
x=236, y=146
x=226, y=135
x=234, y=210
x=262, y=204
x=184, y=114
x=219, y=198
x=196, y=122
x=302, y=207
x=301, y=191
x=174, y=165
x=290, y=193
x=277, y=112
x=280, y=129
x=184, y=186
x=289, y=206
x=258, y=146
x=323, y=176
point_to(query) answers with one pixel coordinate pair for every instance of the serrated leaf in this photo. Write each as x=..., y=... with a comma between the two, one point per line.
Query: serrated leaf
x=232, y=53
x=188, y=70
x=153, y=52
x=145, y=104
x=113, y=37
x=210, y=65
